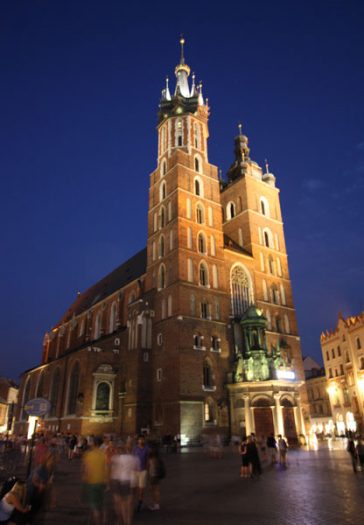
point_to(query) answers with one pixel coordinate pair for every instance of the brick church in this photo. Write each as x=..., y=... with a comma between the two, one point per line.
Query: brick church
x=197, y=332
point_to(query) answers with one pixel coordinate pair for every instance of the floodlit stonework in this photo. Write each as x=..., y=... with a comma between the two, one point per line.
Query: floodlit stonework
x=160, y=343
x=343, y=355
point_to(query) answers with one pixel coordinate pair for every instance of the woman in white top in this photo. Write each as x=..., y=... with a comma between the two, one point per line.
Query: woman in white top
x=122, y=474
x=11, y=501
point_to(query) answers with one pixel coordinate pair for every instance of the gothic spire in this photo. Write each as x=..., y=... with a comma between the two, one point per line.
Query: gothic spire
x=182, y=72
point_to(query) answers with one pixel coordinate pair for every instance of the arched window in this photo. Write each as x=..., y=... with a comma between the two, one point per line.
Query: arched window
x=200, y=214
x=271, y=265
x=358, y=343
x=279, y=325
x=170, y=211
x=97, y=326
x=265, y=290
x=162, y=277
x=198, y=187
x=207, y=375
x=112, y=318
x=210, y=216
x=162, y=217
x=268, y=238
x=161, y=246
x=163, y=139
x=241, y=290
x=163, y=167
x=162, y=191
x=179, y=133
x=230, y=210
x=170, y=240
x=201, y=243
x=103, y=397
x=204, y=276
x=40, y=386
x=73, y=385
x=55, y=392
x=197, y=164
x=264, y=207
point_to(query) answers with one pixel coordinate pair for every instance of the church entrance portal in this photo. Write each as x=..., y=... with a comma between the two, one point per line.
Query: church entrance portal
x=263, y=420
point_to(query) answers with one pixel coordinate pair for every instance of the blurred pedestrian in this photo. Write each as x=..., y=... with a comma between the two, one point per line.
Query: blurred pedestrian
x=94, y=477
x=353, y=453
x=282, y=448
x=360, y=452
x=157, y=472
x=141, y=451
x=253, y=454
x=245, y=461
x=272, y=448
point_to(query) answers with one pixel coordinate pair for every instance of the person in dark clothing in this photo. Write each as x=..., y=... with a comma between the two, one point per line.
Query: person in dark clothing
x=353, y=454
x=272, y=448
x=254, y=461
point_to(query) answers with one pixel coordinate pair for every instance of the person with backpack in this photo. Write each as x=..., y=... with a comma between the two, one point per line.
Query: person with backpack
x=156, y=472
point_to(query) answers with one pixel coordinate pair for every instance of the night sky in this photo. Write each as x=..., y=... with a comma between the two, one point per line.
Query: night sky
x=80, y=83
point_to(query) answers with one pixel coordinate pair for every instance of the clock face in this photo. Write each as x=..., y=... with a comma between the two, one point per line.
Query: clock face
x=179, y=110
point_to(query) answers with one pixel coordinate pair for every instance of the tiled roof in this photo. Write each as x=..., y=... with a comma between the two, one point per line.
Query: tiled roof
x=125, y=273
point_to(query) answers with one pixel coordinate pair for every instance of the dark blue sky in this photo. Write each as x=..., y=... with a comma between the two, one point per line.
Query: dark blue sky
x=80, y=83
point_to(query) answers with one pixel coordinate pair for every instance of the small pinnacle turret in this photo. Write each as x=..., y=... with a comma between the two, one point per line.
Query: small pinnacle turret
x=242, y=158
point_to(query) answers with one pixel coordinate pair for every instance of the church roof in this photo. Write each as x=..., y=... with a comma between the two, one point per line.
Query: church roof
x=232, y=245
x=125, y=273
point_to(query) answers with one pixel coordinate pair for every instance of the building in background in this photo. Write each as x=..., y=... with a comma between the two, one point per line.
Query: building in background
x=196, y=333
x=8, y=402
x=343, y=355
x=321, y=423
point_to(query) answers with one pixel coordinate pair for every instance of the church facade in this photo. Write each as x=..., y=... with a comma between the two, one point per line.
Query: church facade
x=197, y=332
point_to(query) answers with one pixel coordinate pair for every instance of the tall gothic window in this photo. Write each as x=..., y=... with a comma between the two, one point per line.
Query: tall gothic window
x=55, y=392
x=240, y=290
x=179, y=133
x=200, y=215
x=204, y=276
x=40, y=386
x=73, y=389
x=161, y=246
x=207, y=375
x=103, y=396
x=201, y=243
x=162, y=277
x=112, y=319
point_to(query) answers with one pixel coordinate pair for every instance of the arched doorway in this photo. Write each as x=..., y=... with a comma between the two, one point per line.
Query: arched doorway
x=289, y=423
x=263, y=417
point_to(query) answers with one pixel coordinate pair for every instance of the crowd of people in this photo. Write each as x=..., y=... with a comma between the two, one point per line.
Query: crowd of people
x=115, y=474
x=253, y=451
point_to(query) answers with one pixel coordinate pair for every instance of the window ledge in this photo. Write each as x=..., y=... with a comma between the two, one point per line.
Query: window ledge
x=201, y=348
x=208, y=388
x=216, y=350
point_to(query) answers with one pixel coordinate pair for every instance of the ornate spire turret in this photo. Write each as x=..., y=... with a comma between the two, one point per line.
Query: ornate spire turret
x=242, y=155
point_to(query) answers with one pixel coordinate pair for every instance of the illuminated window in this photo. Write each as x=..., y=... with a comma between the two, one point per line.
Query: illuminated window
x=241, y=292
x=204, y=276
x=230, y=211
x=200, y=214
x=201, y=243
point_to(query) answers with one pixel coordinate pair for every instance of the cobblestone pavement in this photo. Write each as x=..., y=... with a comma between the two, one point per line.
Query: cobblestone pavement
x=317, y=488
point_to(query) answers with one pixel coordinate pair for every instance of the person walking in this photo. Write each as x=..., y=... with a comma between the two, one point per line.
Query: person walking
x=123, y=468
x=156, y=472
x=94, y=478
x=254, y=460
x=360, y=452
x=141, y=451
x=282, y=448
x=272, y=448
x=353, y=454
x=245, y=460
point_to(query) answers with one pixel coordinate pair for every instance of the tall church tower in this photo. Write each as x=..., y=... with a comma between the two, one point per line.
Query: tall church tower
x=186, y=265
